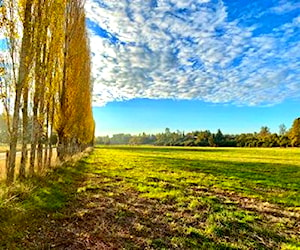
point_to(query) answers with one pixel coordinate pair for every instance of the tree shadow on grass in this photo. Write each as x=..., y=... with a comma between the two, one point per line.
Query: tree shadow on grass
x=72, y=208
x=27, y=209
x=111, y=218
x=273, y=175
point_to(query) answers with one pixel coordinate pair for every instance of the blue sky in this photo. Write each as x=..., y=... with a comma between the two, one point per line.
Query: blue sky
x=152, y=116
x=194, y=64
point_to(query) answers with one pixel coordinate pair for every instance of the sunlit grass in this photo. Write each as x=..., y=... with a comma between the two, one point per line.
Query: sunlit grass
x=204, y=187
x=160, y=198
x=5, y=147
x=270, y=174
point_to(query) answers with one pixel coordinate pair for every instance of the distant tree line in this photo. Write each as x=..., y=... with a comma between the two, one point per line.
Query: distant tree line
x=264, y=138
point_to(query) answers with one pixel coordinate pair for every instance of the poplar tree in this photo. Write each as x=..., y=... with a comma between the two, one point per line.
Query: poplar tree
x=51, y=82
x=75, y=123
x=23, y=73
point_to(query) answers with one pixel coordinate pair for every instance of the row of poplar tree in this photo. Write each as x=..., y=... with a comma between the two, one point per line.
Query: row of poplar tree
x=45, y=81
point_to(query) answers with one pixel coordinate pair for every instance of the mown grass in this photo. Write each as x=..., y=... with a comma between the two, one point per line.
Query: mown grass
x=201, y=193
x=159, y=198
x=269, y=174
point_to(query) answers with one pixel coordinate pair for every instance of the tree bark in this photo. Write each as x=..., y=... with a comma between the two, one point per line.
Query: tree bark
x=23, y=74
x=24, y=134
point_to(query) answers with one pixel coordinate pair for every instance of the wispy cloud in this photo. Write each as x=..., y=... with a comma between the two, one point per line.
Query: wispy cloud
x=285, y=6
x=190, y=49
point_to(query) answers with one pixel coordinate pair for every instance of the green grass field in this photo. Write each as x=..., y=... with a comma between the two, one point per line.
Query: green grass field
x=163, y=198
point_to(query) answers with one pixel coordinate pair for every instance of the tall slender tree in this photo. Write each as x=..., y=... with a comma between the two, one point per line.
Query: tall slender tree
x=75, y=121
x=23, y=73
x=52, y=83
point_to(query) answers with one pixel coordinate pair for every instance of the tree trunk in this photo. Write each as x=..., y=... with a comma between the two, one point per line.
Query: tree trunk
x=33, y=140
x=62, y=148
x=49, y=155
x=37, y=90
x=46, y=152
x=40, y=157
x=24, y=135
x=10, y=172
x=23, y=74
x=51, y=131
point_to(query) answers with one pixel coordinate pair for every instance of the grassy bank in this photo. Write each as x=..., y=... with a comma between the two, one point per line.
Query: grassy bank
x=163, y=198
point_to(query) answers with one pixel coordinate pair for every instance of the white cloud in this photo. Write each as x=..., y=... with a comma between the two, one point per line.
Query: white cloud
x=187, y=49
x=285, y=7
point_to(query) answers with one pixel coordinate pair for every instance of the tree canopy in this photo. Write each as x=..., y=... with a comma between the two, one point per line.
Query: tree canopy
x=205, y=138
x=46, y=83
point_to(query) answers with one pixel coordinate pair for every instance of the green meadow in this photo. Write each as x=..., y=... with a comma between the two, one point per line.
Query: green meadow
x=126, y=197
